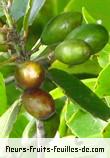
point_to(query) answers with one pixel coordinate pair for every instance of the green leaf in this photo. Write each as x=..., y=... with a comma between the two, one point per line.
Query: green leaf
x=18, y=10
x=71, y=108
x=98, y=9
x=103, y=82
x=7, y=70
x=3, y=98
x=37, y=5
x=1, y=12
x=62, y=126
x=90, y=83
x=8, y=119
x=51, y=125
x=104, y=56
x=87, y=17
x=84, y=125
x=26, y=16
x=10, y=90
x=89, y=67
x=19, y=125
x=106, y=131
x=30, y=129
x=57, y=93
x=81, y=94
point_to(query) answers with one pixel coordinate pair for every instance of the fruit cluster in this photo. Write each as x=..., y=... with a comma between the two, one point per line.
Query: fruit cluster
x=74, y=44
x=29, y=75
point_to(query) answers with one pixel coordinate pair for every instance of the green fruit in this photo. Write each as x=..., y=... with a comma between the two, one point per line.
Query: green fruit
x=29, y=74
x=94, y=34
x=73, y=52
x=58, y=27
x=38, y=103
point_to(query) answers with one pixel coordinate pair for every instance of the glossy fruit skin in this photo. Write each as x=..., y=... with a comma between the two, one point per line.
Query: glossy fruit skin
x=58, y=27
x=94, y=34
x=73, y=52
x=29, y=74
x=38, y=103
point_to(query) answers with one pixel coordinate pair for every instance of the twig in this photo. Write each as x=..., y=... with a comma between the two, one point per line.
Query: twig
x=40, y=129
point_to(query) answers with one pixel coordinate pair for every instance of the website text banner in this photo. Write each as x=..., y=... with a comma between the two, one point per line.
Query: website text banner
x=52, y=148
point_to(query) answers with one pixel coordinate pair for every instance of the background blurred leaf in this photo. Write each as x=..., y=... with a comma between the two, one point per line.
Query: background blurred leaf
x=51, y=125
x=97, y=9
x=1, y=13
x=3, y=97
x=18, y=10
x=106, y=131
x=84, y=125
x=37, y=5
x=90, y=67
x=87, y=17
x=62, y=125
x=103, y=82
x=8, y=119
x=30, y=129
x=104, y=56
x=10, y=90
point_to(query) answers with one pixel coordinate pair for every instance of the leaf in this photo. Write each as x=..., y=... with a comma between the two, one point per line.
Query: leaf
x=30, y=129
x=81, y=94
x=104, y=56
x=10, y=90
x=89, y=67
x=3, y=97
x=87, y=17
x=100, y=10
x=57, y=93
x=8, y=119
x=103, y=82
x=90, y=83
x=26, y=16
x=62, y=126
x=37, y=5
x=1, y=12
x=18, y=10
x=84, y=125
x=71, y=108
x=106, y=131
x=51, y=125
x=19, y=125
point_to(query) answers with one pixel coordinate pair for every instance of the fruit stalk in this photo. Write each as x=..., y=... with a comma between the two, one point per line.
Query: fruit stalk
x=40, y=129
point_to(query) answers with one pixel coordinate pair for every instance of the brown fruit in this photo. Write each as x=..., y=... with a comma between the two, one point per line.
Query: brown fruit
x=38, y=103
x=29, y=74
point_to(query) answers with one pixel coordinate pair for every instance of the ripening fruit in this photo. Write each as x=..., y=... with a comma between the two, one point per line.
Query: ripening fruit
x=73, y=52
x=94, y=34
x=29, y=74
x=58, y=27
x=38, y=103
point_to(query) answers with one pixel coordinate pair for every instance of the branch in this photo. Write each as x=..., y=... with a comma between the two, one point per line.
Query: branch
x=40, y=134
x=40, y=129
